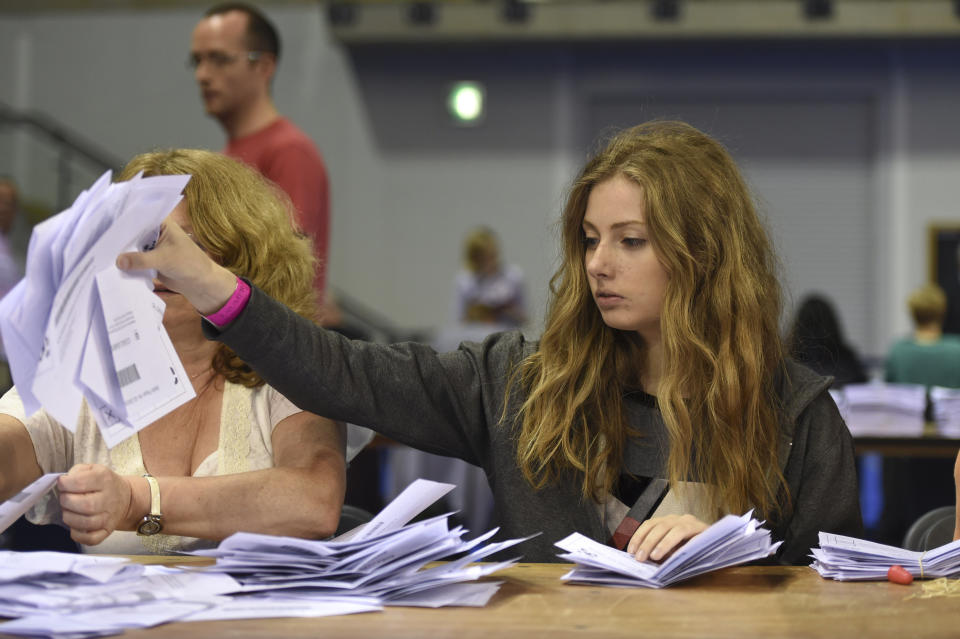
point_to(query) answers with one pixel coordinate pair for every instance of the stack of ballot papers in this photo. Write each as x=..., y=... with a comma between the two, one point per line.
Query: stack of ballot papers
x=884, y=409
x=77, y=328
x=383, y=560
x=946, y=410
x=851, y=559
x=382, y=563
x=73, y=596
x=730, y=541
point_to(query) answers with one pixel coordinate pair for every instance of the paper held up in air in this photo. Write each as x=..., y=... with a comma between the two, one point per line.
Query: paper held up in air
x=75, y=328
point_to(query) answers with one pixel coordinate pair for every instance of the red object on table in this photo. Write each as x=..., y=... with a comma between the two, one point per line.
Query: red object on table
x=899, y=575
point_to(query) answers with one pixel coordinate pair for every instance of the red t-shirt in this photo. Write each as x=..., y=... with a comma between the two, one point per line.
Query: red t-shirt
x=284, y=154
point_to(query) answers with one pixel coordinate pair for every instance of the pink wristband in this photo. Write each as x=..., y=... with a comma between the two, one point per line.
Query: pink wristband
x=233, y=307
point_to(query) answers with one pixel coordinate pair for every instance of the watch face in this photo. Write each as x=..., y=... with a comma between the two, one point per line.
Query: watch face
x=149, y=526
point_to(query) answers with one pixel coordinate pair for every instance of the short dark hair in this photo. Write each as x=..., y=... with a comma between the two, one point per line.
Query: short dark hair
x=261, y=34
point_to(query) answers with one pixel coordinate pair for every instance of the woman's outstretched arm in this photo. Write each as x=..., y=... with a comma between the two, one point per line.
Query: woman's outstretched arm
x=441, y=403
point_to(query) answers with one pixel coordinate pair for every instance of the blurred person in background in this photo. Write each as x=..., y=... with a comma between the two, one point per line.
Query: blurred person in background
x=234, y=51
x=816, y=340
x=928, y=356
x=11, y=259
x=487, y=290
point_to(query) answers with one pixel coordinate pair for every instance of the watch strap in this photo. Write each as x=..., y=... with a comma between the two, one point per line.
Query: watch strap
x=154, y=494
x=152, y=522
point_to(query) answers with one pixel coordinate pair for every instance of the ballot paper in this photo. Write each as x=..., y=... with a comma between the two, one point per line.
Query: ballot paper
x=97, y=623
x=66, y=568
x=75, y=328
x=851, y=559
x=730, y=541
x=13, y=508
x=70, y=596
x=407, y=505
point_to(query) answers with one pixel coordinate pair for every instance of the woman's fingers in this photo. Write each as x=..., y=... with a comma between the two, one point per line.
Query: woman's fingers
x=88, y=537
x=657, y=538
x=182, y=266
x=94, y=501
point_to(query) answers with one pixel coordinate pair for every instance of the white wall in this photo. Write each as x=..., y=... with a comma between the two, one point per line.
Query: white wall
x=406, y=185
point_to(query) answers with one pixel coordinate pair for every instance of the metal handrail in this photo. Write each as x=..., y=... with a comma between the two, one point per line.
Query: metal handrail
x=372, y=324
x=69, y=145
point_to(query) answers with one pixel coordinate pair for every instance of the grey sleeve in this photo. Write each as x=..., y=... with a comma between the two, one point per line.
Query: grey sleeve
x=442, y=403
x=822, y=477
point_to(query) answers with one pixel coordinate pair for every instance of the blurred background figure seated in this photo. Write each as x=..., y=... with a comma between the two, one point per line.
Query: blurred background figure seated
x=488, y=298
x=816, y=340
x=487, y=290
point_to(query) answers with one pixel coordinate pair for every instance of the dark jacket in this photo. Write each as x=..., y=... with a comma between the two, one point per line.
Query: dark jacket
x=451, y=404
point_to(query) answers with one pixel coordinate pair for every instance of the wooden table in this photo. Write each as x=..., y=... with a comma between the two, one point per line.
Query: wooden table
x=765, y=602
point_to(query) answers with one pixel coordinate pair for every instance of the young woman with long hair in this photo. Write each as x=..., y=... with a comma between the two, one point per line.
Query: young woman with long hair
x=658, y=397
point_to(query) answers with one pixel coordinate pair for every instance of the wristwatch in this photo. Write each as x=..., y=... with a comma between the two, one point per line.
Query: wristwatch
x=152, y=523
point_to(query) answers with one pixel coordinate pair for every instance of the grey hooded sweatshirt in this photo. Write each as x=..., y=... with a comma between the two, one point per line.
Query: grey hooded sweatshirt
x=451, y=404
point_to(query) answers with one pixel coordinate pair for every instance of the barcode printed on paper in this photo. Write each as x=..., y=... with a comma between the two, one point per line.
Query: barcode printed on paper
x=128, y=375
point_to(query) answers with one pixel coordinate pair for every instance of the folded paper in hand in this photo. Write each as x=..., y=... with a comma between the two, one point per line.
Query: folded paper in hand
x=75, y=328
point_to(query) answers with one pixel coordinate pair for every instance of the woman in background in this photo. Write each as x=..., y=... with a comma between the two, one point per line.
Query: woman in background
x=817, y=340
x=239, y=456
x=488, y=291
x=657, y=399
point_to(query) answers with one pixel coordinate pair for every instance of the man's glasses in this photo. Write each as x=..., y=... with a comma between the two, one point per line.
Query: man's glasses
x=220, y=59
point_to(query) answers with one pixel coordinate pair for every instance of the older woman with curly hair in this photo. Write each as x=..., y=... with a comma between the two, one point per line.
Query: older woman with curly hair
x=658, y=397
x=240, y=456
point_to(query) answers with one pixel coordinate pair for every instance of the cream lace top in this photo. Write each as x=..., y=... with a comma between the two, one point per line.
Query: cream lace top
x=247, y=419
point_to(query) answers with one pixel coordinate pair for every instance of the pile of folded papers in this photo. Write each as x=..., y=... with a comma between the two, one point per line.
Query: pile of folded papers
x=946, y=410
x=885, y=410
x=851, y=559
x=383, y=563
x=381, y=560
x=70, y=595
x=731, y=540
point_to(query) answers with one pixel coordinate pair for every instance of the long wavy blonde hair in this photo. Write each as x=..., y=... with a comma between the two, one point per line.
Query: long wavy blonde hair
x=245, y=223
x=719, y=326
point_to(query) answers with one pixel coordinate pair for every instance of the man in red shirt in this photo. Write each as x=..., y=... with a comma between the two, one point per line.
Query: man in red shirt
x=234, y=52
